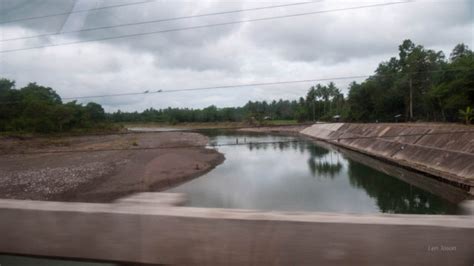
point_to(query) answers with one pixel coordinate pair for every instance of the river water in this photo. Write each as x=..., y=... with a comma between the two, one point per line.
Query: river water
x=302, y=176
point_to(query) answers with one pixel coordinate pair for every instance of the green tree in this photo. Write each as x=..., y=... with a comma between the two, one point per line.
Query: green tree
x=467, y=115
x=36, y=108
x=95, y=112
x=10, y=100
x=455, y=88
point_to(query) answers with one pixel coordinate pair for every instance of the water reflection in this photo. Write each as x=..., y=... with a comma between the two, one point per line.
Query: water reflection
x=320, y=167
x=324, y=168
x=393, y=195
x=301, y=176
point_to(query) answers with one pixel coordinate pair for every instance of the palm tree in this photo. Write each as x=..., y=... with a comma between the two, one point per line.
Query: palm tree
x=467, y=115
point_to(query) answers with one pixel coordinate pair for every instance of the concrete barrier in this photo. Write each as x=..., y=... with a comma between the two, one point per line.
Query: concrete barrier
x=323, y=131
x=444, y=151
x=136, y=231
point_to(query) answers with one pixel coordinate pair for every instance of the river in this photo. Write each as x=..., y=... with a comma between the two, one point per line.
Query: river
x=302, y=176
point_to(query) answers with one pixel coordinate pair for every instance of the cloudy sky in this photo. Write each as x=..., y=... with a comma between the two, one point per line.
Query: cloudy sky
x=324, y=45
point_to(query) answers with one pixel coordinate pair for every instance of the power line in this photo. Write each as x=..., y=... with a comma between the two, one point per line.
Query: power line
x=255, y=84
x=76, y=11
x=231, y=144
x=204, y=26
x=217, y=87
x=148, y=92
x=203, y=88
x=158, y=20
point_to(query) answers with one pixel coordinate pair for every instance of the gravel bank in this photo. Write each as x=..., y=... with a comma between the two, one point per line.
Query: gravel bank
x=102, y=173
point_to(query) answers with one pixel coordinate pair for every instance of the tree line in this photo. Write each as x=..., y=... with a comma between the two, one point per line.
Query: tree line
x=418, y=85
x=250, y=112
x=35, y=108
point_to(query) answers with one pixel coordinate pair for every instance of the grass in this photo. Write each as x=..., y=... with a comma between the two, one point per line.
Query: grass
x=99, y=129
x=209, y=125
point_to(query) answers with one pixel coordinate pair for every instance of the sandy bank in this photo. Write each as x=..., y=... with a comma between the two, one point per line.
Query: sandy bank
x=105, y=172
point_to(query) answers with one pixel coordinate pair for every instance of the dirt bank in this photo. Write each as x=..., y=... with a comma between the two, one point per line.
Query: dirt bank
x=105, y=171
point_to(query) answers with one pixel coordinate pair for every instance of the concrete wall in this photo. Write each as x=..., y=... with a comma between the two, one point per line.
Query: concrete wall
x=434, y=149
x=139, y=231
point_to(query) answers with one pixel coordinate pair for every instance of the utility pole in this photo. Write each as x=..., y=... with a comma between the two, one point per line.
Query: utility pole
x=314, y=111
x=411, y=100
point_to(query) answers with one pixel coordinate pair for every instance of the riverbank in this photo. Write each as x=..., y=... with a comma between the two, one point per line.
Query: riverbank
x=101, y=168
x=443, y=151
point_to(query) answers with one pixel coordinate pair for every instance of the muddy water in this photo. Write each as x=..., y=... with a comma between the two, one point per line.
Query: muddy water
x=303, y=176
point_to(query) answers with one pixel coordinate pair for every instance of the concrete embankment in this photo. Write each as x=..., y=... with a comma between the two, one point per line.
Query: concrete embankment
x=149, y=229
x=442, y=151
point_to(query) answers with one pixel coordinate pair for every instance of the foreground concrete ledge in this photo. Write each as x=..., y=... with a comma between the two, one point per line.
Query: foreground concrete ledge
x=135, y=230
x=154, y=199
x=130, y=206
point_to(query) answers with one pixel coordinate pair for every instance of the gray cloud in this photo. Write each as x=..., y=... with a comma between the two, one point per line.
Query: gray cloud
x=339, y=36
x=320, y=46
